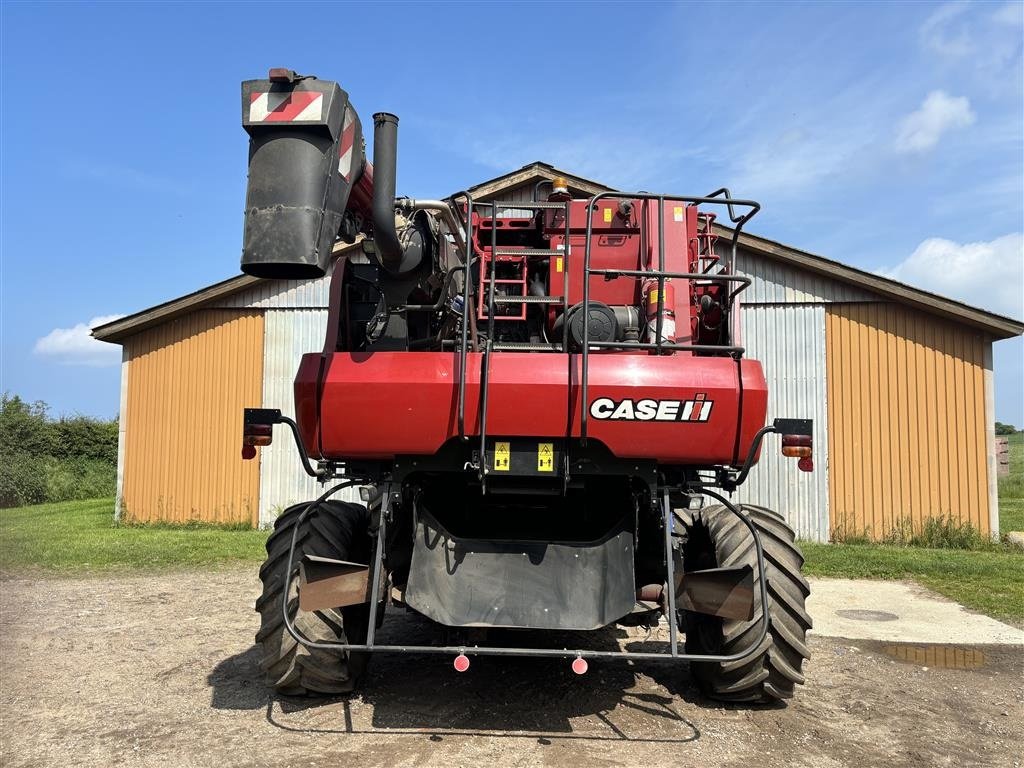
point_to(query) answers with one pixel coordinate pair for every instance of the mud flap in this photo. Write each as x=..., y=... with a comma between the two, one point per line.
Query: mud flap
x=462, y=582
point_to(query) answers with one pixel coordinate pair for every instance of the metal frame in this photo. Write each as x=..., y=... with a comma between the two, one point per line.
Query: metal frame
x=673, y=654
x=274, y=416
x=718, y=197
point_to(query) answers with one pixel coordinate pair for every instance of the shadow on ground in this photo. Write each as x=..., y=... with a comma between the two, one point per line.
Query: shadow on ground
x=506, y=696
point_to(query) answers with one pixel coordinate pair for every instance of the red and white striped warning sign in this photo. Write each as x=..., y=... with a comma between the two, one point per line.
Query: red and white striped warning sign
x=345, y=146
x=286, y=107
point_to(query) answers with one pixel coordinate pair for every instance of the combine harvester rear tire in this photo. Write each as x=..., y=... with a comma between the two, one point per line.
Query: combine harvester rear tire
x=716, y=538
x=339, y=530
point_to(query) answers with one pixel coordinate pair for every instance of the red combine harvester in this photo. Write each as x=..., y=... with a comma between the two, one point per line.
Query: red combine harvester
x=535, y=407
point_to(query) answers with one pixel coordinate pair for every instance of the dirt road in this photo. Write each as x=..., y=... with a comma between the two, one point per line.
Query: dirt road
x=160, y=670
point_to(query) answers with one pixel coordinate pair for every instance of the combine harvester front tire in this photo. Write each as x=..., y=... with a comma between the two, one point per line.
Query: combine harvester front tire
x=716, y=538
x=339, y=530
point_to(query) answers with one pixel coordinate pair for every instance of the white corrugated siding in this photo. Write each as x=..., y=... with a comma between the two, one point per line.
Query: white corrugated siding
x=280, y=294
x=288, y=334
x=778, y=283
x=789, y=340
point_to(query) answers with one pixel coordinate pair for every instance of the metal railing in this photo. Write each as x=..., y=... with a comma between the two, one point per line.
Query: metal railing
x=718, y=197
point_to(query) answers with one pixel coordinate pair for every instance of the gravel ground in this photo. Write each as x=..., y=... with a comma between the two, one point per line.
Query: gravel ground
x=160, y=670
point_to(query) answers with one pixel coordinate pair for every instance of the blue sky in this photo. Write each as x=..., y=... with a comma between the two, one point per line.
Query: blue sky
x=886, y=136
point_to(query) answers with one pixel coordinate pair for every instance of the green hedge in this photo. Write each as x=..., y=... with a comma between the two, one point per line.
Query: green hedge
x=49, y=460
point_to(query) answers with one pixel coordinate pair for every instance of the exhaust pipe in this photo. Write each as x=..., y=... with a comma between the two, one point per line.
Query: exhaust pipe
x=389, y=250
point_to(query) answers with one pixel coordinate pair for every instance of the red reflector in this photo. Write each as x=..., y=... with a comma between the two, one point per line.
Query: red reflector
x=248, y=452
x=256, y=440
x=788, y=440
x=806, y=464
x=796, y=445
x=281, y=75
x=260, y=430
x=461, y=662
x=580, y=666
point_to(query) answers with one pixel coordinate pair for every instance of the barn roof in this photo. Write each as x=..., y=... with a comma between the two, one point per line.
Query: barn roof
x=999, y=326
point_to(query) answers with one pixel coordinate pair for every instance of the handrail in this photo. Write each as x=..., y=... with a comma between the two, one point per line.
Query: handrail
x=718, y=197
x=467, y=293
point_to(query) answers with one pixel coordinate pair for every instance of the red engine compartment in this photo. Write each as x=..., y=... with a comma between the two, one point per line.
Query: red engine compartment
x=378, y=405
x=679, y=405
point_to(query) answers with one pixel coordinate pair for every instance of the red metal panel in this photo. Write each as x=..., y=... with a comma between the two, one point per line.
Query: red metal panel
x=618, y=243
x=377, y=405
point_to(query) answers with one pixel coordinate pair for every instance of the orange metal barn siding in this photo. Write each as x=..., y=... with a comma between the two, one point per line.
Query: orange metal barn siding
x=188, y=381
x=906, y=411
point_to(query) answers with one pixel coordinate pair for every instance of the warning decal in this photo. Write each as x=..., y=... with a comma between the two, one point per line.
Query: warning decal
x=502, y=457
x=546, y=457
x=286, y=107
x=345, y=146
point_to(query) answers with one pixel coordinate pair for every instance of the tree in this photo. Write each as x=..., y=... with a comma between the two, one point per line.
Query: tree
x=1005, y=429
x=24, y=427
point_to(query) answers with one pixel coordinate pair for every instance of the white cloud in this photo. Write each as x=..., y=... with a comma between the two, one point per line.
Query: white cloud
x=971, y=39
x=76, y=346
x=942, y=35
x=921, y=129
x=988, y=275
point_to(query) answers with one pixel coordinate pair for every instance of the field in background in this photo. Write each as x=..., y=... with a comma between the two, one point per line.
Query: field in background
x=1011, y=488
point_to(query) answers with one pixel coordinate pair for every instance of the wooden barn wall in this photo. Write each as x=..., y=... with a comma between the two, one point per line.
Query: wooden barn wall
x=906, y=417
x=188, y=381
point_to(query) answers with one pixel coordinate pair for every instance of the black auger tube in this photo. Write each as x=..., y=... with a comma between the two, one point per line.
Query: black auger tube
x=385, y=163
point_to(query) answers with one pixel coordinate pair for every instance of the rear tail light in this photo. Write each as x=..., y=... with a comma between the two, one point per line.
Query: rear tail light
x=799, y=447
x=257, y=434
x=796, y=446
x=258, y=429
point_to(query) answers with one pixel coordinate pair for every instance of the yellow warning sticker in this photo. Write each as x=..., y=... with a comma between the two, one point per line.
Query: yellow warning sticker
x=677, y=213
x=545, y=457
x=558, y=264
x=502, y=457
x=607, y=215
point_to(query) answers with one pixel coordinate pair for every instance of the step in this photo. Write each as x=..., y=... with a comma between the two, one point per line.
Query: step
x=526, y=252
x=528, y=300
x=513, y=346
x=521, y=205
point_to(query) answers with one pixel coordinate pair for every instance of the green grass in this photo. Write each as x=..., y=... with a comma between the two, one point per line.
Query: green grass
x=988, y=577
x=80, y=536
x=1011, y=488
x=989, y=581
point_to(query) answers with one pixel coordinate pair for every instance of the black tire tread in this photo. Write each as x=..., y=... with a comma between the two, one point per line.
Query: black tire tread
x=338, y=529
x=773, y=672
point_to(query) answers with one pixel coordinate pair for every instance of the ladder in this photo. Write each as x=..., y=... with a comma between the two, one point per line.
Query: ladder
x=489, y=280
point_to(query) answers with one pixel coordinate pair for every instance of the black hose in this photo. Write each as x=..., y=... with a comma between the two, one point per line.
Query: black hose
x=313, y=505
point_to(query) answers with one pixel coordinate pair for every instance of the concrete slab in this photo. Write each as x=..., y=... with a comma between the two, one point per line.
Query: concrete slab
x=862, y=609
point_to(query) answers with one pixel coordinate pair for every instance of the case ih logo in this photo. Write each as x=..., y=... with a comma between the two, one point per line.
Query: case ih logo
x=698, y=409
